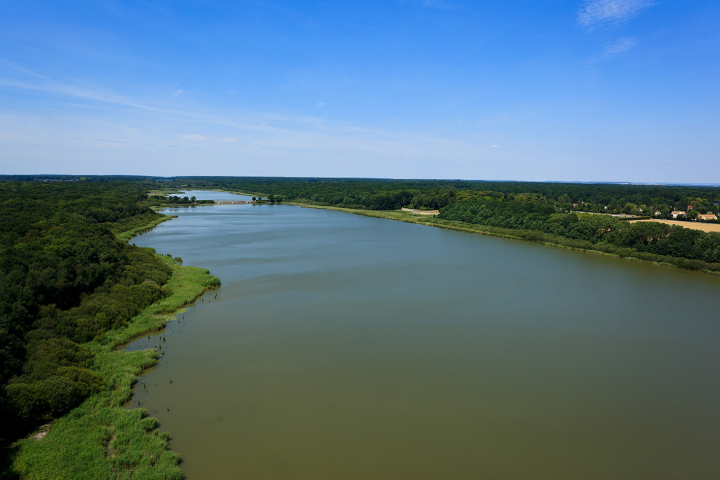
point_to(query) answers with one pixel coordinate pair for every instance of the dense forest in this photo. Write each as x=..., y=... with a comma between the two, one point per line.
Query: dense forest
x=65, y=279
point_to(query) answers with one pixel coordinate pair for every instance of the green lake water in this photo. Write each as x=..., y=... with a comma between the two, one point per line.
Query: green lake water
x=347, y=347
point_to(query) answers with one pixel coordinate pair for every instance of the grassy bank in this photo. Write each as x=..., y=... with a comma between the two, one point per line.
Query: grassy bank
x=531, y=235
x=143, y=227
x=100, y=439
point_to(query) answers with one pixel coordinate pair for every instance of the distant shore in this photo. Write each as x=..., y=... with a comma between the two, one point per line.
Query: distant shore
x=528, y=235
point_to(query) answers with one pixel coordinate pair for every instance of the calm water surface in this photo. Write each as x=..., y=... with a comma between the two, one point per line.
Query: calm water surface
x=346, y=347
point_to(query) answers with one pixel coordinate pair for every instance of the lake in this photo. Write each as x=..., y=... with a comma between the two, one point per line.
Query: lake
x=348, y=347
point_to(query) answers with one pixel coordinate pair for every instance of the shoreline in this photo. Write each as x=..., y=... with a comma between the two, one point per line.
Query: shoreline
x=112, y=441
x=526, y=235
x=127, y=235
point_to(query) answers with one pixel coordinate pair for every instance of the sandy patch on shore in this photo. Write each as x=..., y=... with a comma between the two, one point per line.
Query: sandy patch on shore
x=705, y=227
x=420, y=212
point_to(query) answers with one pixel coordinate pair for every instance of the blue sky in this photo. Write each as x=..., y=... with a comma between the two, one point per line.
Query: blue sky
x=598, y=90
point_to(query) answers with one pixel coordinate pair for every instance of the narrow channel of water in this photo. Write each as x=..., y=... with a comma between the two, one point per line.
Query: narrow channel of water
x=347, y=347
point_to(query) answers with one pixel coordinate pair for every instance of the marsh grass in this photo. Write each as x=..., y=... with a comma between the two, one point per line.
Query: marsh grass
x=100, y=439
x=143, y=227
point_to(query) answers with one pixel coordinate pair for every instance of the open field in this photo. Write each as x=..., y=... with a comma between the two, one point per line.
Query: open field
x=705, y=227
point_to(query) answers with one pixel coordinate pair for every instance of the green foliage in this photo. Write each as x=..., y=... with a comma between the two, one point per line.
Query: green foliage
x=100, y=438
x=596, y=230
x=71, y=290
x=175, y=200
x=54, y=395
x=86, y=382
x=27, y=399
x=65, y=279
x=60, y=394
x=107, y=309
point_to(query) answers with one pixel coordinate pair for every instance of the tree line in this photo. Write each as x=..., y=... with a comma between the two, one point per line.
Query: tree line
x=593, y=231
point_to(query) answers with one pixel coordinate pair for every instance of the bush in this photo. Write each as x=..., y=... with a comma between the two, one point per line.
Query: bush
x=86, y=382
x=54, y=395
x=60, y=394
x=26, y=399
x=60, y=351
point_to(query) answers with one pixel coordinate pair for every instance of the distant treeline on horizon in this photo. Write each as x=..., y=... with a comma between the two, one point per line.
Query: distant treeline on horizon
x=155, y=178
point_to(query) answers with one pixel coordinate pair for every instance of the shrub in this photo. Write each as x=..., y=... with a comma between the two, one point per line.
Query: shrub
x=86, y=382
x=60, y=394
x=26, y=399
x=60, y=351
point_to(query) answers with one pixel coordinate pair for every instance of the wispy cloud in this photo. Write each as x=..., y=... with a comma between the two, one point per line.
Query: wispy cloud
x=596, y=13
x=313, y=145
x=612, y=49
x=81, y=92
x=619, y=46
x=495, y=146
x=257, y=121
x=179, y=92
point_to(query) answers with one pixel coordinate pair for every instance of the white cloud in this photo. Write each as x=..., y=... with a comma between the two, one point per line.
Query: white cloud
x=495, y=146
x=320, y=104
x=599, y=12
x=193, y=136
x=619, y=46
x=179, y=92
